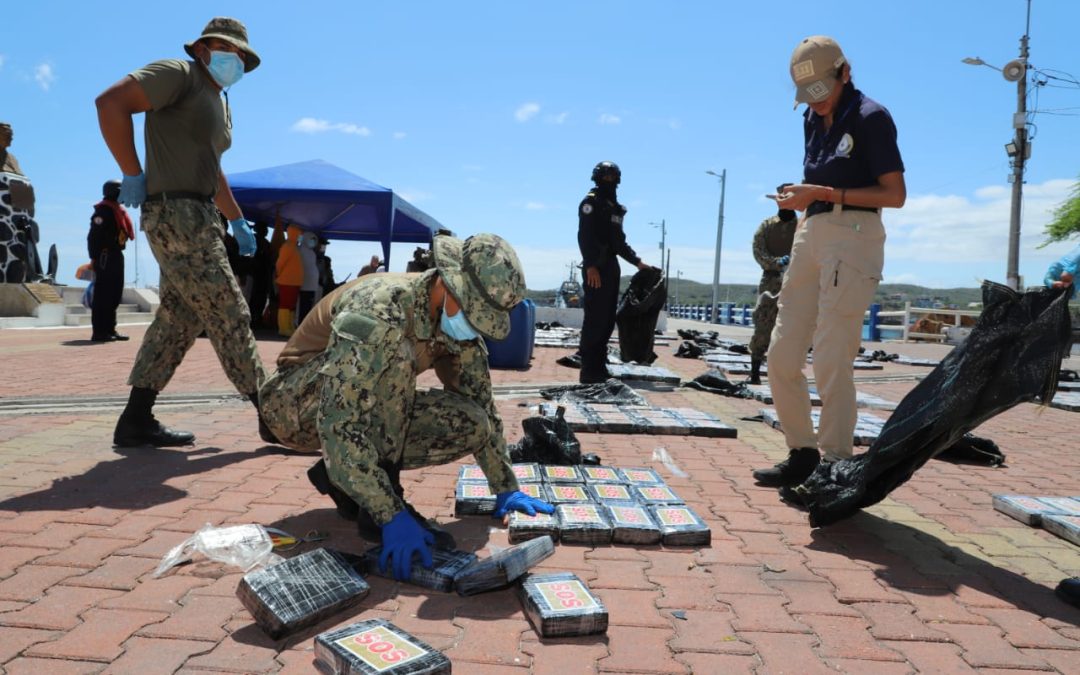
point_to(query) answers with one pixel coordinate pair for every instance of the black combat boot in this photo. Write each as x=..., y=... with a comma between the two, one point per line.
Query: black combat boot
x=137, y=425
x=443, y=539
x=800, y=463
x=755, y=371
x=346, y=507
x=1069, y=591
x=264, y=431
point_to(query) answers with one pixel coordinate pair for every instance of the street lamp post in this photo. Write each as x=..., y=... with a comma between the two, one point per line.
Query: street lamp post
x=722, y=176
x=1019, y=150
x=678, y=280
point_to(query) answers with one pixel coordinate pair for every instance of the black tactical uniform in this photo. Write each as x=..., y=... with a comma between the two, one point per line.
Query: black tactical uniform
x=105, y=243
x=601, y=239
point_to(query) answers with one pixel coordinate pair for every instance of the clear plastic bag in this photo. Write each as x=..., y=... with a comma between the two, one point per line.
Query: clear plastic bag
x=661, y=455
x=244, y=546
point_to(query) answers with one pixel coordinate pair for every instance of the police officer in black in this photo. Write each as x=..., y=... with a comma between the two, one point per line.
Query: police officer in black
x=110, y=229
x=601, y=239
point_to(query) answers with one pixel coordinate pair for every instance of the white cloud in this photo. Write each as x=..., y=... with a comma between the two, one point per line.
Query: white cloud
x=312, y=125
x=398, y=135
x=414, y=196
x=44, y=76
x=526, y=112
x=608, y=118
x=557, y=119
x=2, y=59
x=535, y=206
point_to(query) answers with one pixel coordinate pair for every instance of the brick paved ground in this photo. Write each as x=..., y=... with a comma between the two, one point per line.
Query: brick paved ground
x=931, y=580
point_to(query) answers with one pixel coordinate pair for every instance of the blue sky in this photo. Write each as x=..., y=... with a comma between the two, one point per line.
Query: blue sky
x=490, y=115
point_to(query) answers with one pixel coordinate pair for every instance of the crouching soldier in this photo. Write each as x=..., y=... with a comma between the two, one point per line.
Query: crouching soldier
x=346, y=385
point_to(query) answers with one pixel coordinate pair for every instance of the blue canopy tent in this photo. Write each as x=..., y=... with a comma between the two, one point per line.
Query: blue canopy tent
x=330, y=201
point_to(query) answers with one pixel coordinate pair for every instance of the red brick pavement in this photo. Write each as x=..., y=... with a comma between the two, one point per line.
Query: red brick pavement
x=930, y=580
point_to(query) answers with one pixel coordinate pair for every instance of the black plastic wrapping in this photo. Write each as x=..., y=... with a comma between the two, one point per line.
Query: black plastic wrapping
x=560, y=605
x=377, y=647
x=610, y=391
x=524, y=527
x=447, y=565
x=631, y=523
x=301, y=591
x=547, y=440
x=1012, y=355
x=639, y=308
x=503, y=567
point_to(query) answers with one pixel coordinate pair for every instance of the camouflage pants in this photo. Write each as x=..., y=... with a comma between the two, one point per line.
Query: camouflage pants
x=765, y=314
x=198, y=291
x=442, y=426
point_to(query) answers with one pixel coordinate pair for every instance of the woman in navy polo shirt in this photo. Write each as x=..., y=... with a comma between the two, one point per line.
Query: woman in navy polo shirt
x=851, y=170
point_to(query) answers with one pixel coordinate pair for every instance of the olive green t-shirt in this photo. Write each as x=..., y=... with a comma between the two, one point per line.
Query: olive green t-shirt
x=185, y=128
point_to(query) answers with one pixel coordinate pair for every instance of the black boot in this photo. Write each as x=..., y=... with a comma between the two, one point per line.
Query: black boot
x=800, y=463
x=264, y=431
x=443, y=539
x=137, y=426
x=755, y=371
x=1069, y=591
x=346, y=507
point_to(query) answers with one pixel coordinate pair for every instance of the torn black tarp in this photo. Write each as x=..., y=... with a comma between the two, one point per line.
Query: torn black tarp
x=639, y=308
x=714, y=382
x=547, y=440
x=1012, y=355
x=690, y=350
x=611, y=391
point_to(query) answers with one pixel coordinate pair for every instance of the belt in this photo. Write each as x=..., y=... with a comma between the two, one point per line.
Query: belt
x=165, y=196
x=821, y=207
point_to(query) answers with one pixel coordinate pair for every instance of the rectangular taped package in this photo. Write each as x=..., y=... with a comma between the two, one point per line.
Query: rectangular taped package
x=527, y=473
x=1066, y=527
x=641, y=476
x=557, y=473
x=447, y=565
x=1070, y=506
x=610, y=492
x=583, y=524
x=535, y=490
x=504, y=567
x=301, y=591
x=473, y=497
x=631, y=523
x=377, y=647
x=655, y=494
x=524, y=527
x=680, y=526
x=471, y=472
x=602, y=474
x=562, y=493
x=560, y=605
x=1027, y=510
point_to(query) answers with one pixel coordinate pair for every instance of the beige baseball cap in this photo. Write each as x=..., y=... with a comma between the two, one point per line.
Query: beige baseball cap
x=814, y=68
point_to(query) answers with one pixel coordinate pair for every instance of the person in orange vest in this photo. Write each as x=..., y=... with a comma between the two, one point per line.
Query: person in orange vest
x=290, y=276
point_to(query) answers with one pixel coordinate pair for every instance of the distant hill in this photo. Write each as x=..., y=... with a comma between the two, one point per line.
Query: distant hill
x=891, y=296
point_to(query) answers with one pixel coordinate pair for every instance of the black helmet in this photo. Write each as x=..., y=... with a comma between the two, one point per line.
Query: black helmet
x=606, y=171
x=111, y=190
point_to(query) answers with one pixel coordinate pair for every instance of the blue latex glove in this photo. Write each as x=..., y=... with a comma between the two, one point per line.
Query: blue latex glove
x=245, y=238
x=516, y=500
x=403, y=538
x=133, y=191
x=783, y=261
x=1069, y=262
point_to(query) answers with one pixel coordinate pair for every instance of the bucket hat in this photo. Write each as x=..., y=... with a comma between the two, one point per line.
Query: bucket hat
x=815, y=66
x=484, y=275
x=232, y=31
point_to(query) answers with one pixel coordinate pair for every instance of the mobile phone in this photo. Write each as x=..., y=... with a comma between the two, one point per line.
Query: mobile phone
x=772, y=197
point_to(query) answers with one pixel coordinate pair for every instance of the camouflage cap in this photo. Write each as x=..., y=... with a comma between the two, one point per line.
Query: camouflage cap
x=484, y=275
x=232, y=31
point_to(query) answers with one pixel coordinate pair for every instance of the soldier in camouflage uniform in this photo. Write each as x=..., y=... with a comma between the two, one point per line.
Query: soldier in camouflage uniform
x=772, y=250
x=187, y=129
x=346, y=386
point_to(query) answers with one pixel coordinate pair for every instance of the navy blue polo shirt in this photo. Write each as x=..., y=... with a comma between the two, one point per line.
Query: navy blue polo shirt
x=859, y=147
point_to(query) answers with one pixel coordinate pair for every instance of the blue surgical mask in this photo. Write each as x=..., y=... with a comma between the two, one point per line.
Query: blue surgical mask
x=226, y=68
x=457, y=327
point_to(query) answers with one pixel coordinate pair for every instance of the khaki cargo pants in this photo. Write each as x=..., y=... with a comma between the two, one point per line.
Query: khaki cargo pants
x=835, y=269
